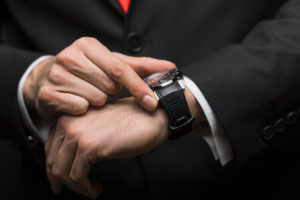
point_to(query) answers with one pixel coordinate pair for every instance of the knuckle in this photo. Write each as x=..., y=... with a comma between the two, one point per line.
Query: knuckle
x=72, y=130
x=84, y=42
x=104, y=154
x=75, y=178
x=100, y=99
x=56, y=75
x=112, y=87
x=82, y=107
x=118, y=69
x=85, y=143
x=58, y=173
x=45, y=95
x=71, y=133
x=65, y=56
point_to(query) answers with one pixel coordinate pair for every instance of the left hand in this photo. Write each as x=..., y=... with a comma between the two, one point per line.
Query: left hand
x=118, y=130
x=86, y=73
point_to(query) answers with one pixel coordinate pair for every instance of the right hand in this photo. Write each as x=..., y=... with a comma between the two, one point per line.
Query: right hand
x=121, y=129
x=84, y=74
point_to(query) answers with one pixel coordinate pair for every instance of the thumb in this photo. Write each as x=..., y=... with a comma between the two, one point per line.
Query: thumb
x=145, y=66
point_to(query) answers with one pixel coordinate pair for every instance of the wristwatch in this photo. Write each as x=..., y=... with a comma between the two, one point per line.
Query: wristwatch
x=168, y=87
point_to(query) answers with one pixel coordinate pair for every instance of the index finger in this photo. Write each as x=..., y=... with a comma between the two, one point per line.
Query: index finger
x=121, y=73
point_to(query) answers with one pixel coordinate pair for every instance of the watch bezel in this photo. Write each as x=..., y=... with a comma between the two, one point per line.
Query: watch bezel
x=177, y=75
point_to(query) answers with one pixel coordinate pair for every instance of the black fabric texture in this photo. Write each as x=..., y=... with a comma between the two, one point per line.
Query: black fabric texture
x=243, y=55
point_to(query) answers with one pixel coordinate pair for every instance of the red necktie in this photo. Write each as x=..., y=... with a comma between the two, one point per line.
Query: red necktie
x=124, y=4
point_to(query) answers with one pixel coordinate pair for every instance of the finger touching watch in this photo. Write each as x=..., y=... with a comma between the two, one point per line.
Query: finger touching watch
x=168, y=87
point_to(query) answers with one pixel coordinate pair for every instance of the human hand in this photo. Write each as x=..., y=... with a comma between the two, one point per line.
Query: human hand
x=117, y=130
x=84, y=74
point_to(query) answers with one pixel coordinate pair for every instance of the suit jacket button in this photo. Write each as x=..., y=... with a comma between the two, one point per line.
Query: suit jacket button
x=280, y=125
x=292, y=118
x=268, y=133
x=134, y=42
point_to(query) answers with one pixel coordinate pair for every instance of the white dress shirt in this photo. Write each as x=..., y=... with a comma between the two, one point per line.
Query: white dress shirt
x=215, y=136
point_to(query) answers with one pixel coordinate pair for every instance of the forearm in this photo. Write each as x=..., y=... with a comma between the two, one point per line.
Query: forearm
x=215, y=137
x=251, y=85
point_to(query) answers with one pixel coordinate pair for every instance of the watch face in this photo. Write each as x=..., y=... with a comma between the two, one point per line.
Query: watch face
x=163, y=78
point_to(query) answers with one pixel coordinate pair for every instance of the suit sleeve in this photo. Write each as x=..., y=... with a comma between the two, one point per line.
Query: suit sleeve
x=254, y=87
x=13, y=63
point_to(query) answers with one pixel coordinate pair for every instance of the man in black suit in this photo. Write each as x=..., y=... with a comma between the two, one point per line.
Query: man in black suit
x=243, y=56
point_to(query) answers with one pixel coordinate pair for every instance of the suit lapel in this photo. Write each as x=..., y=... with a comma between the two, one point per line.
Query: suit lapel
x=115, y=4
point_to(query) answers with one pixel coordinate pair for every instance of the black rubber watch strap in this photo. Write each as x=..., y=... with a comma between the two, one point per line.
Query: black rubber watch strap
x=172, y=99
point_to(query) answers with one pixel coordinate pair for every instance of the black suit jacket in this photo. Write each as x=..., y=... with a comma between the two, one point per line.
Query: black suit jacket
x=243, y=55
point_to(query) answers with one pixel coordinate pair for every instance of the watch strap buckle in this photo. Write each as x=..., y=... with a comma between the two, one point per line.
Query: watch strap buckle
x=182, y=126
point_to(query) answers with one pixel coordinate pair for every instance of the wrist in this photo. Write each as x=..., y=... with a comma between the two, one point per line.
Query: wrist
x=30, y=87
x=163, y=120
x=194, y=108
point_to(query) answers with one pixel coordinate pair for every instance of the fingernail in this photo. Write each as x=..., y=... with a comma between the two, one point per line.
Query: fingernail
x=150, y=102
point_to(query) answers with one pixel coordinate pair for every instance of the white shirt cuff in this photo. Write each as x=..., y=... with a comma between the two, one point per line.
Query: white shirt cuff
x=41, y=131
x=216, y=138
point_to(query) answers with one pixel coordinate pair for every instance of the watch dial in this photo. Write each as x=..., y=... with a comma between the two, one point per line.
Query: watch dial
x=155, y=80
